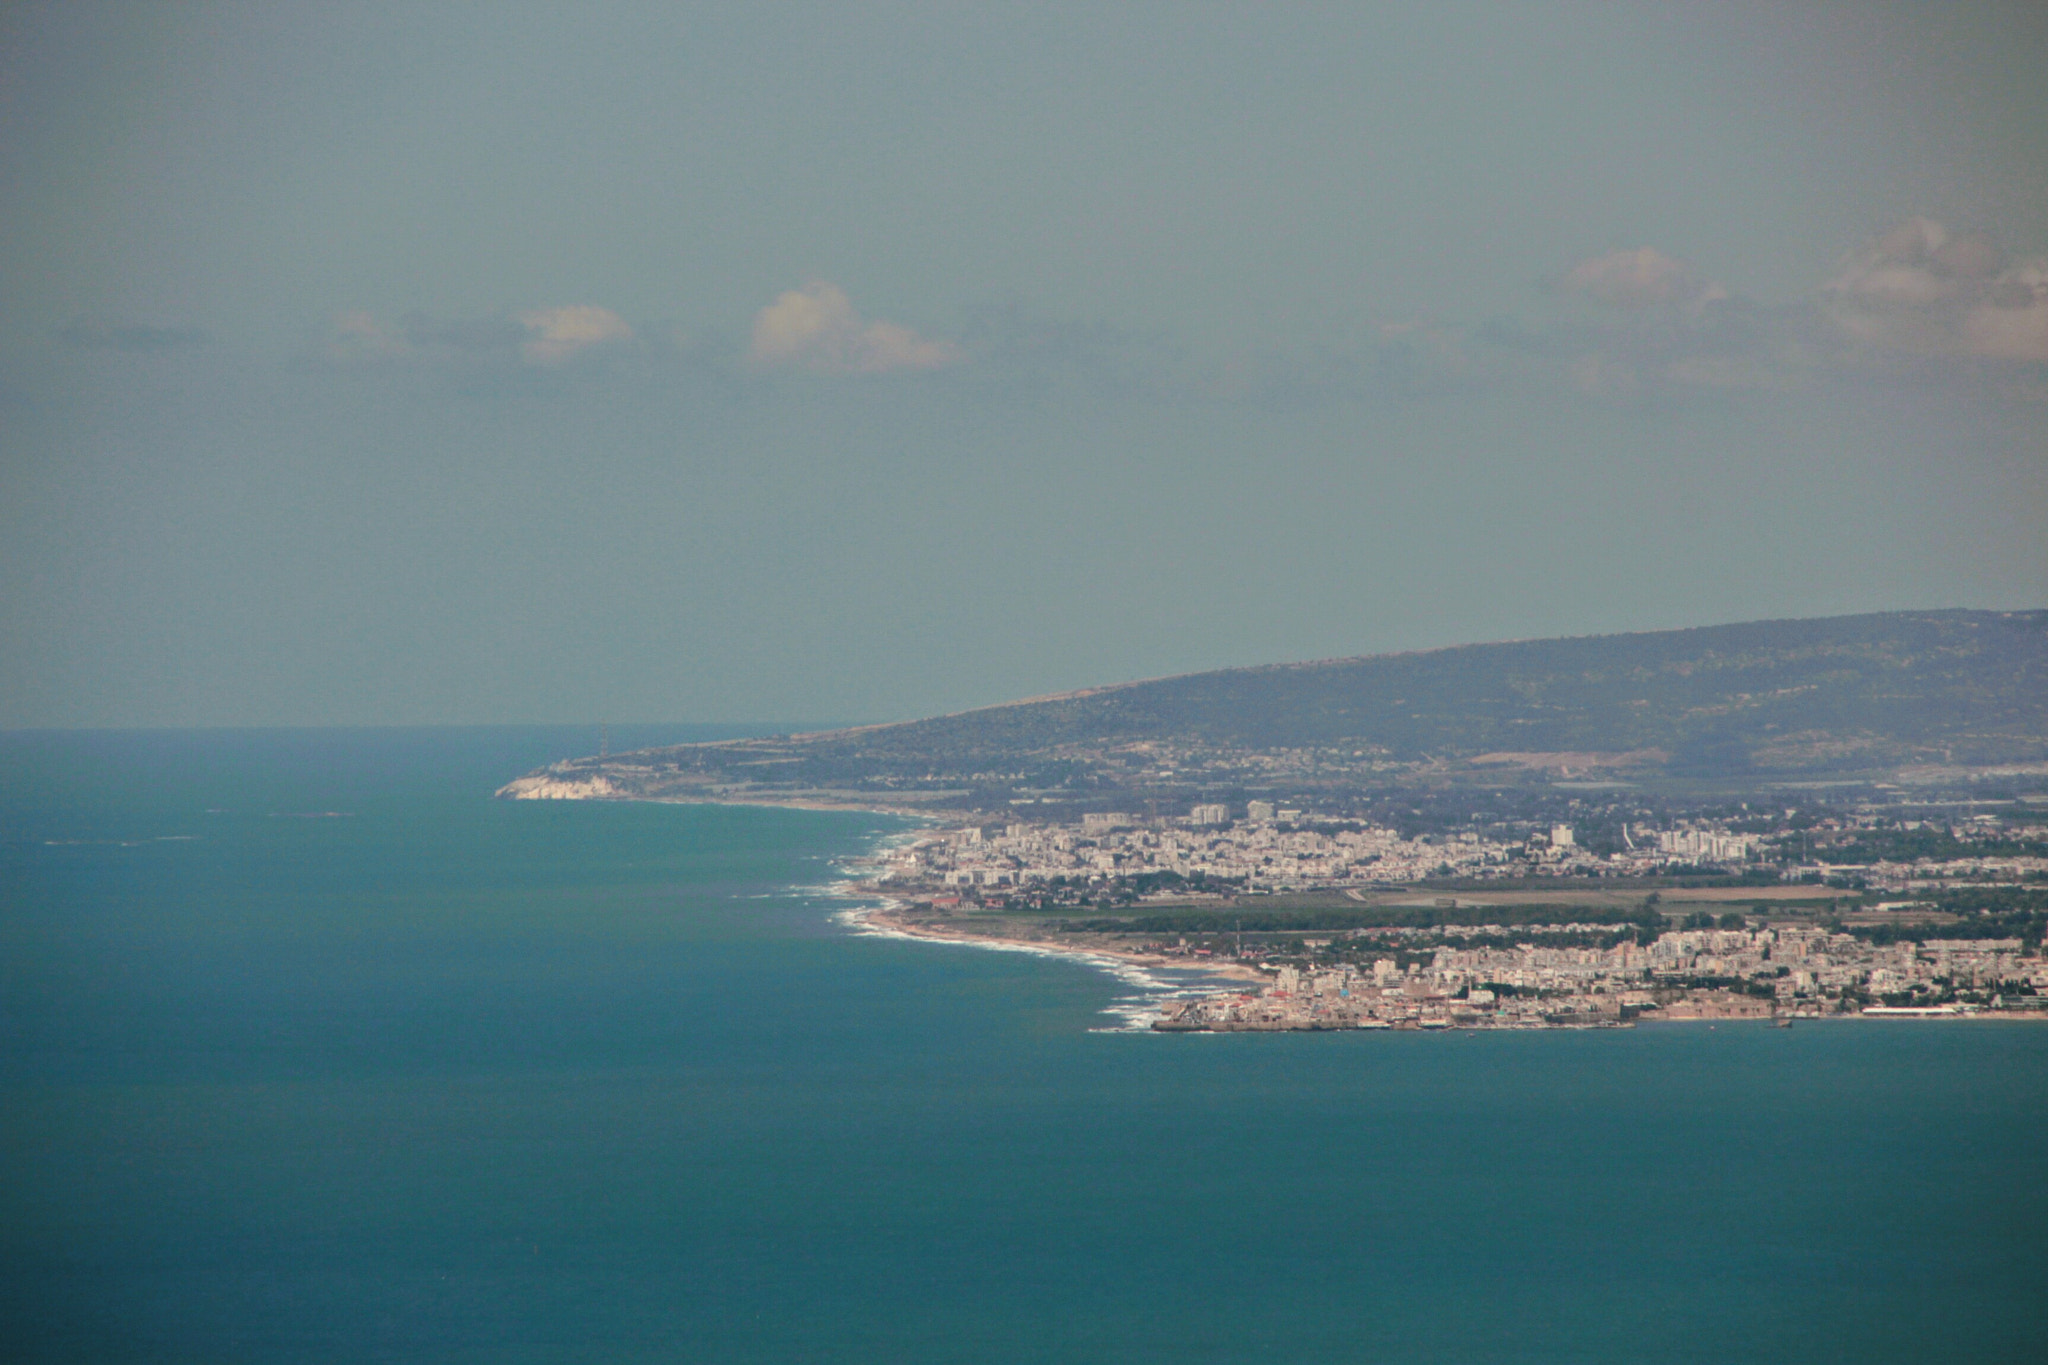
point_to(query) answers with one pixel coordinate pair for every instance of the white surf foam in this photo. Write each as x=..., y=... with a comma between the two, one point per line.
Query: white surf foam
x=1153, y=988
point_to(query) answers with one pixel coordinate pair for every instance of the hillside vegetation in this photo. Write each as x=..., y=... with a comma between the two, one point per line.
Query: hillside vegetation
x=1968, y=685
x=1805, y=698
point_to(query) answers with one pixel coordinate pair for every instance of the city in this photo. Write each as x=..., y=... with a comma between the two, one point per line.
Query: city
x=1330, y=923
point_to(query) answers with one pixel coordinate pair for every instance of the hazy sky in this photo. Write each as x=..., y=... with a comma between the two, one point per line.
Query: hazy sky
x=493, y=362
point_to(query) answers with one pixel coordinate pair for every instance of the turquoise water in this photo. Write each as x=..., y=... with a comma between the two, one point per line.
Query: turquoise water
x=309, y=1052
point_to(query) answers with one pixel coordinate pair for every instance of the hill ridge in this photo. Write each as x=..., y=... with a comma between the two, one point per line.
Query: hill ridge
x=1785, y=698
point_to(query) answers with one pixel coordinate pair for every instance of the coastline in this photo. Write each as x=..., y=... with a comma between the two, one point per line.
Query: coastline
x=791, y=803
x=1152, y=992
x=1157, y=980
x=881, y=920
x=1161, y=979
x=876, y=913
x=541, y=787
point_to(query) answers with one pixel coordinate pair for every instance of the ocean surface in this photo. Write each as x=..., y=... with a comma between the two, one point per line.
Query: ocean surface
x=310, y=1051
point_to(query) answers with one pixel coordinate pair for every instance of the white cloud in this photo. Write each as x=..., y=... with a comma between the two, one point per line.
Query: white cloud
x=2013, y=323
x=1922, y=289
x=356, y=338
x=555, y=335
x=816, y=328
x=539, y=337
x=1916, y=294
x=1642, y=278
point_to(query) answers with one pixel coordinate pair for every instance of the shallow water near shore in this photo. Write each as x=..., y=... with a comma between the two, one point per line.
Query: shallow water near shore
x=310, y=1052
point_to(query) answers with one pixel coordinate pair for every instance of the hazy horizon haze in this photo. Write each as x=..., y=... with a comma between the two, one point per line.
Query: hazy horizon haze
x=452, y=364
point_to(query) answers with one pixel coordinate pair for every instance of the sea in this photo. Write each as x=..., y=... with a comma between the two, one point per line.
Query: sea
x=310, y=1051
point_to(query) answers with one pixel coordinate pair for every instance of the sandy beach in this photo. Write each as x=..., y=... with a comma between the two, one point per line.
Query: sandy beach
x=883, y=916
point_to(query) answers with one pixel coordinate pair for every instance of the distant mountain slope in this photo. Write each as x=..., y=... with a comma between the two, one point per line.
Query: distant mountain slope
x=1839, y=694
x=1914, y=679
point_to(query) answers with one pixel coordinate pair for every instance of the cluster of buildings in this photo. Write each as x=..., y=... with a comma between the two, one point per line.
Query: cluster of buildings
x=1255, y=855
x=1927, y=874
x=1491, y=976
x=1270, y=850
x=1702, y=845
x=1280, y=848
x=1987, y=849
x=1710, y=974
